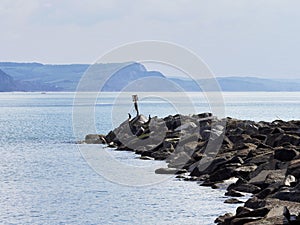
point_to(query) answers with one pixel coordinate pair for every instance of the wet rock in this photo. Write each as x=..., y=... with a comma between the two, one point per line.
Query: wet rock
x=234, y=193
x=161, y=154
x=179, y=160
x=110, y=136
x=221, y=219
x=169, y=171
x=208, y=167
x=233, y=201
x=241, y=210
x=248, y=188
x=222, y=174
x=95, y=139
x=146, y=158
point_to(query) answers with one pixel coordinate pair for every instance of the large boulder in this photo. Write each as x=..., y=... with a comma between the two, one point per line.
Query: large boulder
x=266, y=177
x=285, y=154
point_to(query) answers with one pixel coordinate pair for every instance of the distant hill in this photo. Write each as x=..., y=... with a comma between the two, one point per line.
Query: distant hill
x=46, y=77
x=257, y=84
x=6, y=82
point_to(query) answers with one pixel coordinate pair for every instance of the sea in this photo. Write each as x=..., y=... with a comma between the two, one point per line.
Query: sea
x=47, y=176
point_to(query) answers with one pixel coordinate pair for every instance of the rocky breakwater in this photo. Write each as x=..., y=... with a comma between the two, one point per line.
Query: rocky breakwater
x=263, y=156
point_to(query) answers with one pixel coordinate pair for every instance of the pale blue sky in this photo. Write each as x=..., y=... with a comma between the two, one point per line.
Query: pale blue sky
x=234, y=37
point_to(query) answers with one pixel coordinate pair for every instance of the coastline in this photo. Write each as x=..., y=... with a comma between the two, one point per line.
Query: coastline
x=264, y=156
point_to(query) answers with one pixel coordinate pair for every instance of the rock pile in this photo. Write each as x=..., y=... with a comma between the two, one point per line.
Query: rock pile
x=264, y=156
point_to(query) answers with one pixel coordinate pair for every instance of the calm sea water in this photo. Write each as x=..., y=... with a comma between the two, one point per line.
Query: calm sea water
x=45, y=180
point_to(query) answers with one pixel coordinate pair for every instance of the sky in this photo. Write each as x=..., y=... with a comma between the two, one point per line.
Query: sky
x=234, y=37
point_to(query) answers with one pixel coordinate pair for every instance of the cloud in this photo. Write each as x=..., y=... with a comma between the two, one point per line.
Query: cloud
x=75, y=12
x=234, y=37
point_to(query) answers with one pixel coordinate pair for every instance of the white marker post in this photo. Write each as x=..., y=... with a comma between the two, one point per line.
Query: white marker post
x=135, y=100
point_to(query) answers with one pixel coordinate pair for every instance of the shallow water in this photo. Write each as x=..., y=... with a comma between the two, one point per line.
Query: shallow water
x=45, y=180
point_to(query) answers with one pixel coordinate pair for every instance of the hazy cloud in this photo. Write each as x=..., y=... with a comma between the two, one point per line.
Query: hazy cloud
x=258, y=37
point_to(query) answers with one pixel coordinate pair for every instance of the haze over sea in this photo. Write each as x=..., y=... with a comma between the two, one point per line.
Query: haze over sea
x=45, y=180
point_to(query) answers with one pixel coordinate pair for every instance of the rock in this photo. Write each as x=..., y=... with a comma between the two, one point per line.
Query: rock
x=288, y=195
x=244, y=171
x=268, y=177
x=190, y=147
x=197, y=156
x=277, y=211
x=146, y=158
x=288, y=138
x=272, y=139
x=221, y=219
x=221, y=174
x=260, y=212
x=255, y=203
x=208, y=167
x=276, y=176
x=212, y=134
x=179, y=160
x=207, y=183
x=277, y=220
x=180, y=176
x=277, y=130
x=259, y=159
x=189, y=139
x=284, y=154
x=235, y=159
x=244, y=220
x=234, y=193
x=239, y=139
x=271, y=189
x=172, y=122
x=248, y=188
x=289, y=180
x=294, y=168
x=205, y=115
x=187, y=126
x=243, y=153
x=227, y=143
x=95, y=139
x=112, y=145
x=110, y=137
x=215, y=186
x=241, y=210
x=161, y=154
x=233, y=201
x=170, y=171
